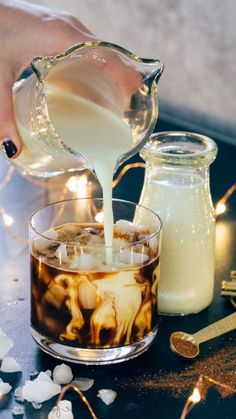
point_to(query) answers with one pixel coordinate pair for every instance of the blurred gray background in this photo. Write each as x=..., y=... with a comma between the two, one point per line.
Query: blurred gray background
x=196, y=40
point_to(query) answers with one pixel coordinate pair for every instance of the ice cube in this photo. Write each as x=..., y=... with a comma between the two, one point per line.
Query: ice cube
x=62, y=374
x=95, y=240
x=87, y=294
x=132, y=258
x=4, y=388
x=107, y=395
x=83, y=383
x=55, y=295
x=140, y=248
x=61, y=252
x=36, y=405
x=119, y=242
x=62, y=410
x=39, y=391
x=42, y=243
x=17, y=411
x=84, y=262
x=5, y=344
x=18, y=394
x=153, y=243
x=48, y=372
x=9, y=364
x=44, y=376
x=128, y=227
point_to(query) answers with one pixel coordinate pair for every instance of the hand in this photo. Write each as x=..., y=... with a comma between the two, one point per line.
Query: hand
x=26, y=31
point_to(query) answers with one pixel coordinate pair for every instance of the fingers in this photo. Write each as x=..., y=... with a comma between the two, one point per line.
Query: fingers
x=85, y=33
x=9, y=136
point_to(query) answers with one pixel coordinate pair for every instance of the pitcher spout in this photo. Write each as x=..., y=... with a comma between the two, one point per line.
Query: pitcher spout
x=151, y=70
x=41, y=66
x=157, y=68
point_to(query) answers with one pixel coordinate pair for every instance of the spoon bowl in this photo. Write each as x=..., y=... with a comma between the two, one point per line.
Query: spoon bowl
x=184, y=344
x=187, y=345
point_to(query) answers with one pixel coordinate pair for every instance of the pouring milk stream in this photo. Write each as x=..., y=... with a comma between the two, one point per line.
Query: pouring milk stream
x=74, y=117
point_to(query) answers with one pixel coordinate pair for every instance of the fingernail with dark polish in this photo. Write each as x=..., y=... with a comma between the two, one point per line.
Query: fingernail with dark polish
x=10, y=148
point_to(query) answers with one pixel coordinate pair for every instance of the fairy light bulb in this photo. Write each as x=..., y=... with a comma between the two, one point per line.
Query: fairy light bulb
x=195, y=396
x=78, y=184
x=220, y=208
x=7, y=219
x=99, y=217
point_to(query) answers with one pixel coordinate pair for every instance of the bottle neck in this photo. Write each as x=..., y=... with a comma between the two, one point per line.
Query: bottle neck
x=186, y=176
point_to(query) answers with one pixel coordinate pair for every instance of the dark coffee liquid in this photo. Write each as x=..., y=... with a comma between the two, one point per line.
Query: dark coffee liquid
x=93, y=309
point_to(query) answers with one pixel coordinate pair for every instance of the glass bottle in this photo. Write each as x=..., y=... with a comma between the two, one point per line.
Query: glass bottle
x=176, y=186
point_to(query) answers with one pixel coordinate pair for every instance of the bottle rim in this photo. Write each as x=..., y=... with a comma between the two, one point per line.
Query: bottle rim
x=180, y=148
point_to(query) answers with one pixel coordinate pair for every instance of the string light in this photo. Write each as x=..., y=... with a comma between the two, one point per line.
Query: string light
x=125, y=170
x=79, y=184
x=199, y=393
x=82, y=396
x=82, y=186
x=75, y=184
x=221, y=205
x=220, y=208
x=218, y=383
x=193, y=399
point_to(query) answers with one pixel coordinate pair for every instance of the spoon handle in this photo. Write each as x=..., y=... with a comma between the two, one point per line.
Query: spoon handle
x=216, y=329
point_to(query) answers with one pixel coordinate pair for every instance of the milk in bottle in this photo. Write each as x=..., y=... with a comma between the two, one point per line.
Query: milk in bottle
x=176, y=186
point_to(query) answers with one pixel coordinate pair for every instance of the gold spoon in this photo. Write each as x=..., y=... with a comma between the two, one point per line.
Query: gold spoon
x=187, y=345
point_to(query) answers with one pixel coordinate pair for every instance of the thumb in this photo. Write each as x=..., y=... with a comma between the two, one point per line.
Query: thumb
x=9, y=136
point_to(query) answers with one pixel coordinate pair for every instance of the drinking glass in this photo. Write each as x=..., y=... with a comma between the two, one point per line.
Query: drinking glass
x=83, y=310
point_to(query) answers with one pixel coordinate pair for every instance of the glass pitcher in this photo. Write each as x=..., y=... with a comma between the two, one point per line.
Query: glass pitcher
x=103, y=75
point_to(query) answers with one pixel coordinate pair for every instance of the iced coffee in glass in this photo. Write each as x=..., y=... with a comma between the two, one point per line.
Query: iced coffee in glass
x=85, y=309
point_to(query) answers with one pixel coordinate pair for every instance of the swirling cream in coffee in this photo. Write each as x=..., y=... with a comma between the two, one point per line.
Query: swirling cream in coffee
x=78, y=300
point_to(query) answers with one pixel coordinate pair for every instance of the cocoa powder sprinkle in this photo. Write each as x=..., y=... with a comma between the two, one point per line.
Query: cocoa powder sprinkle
x=220, y=366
